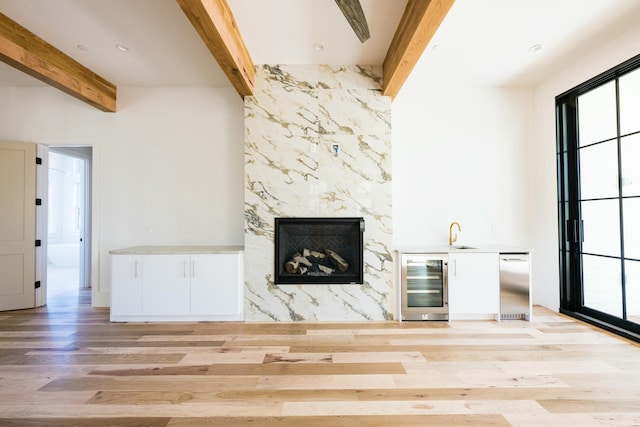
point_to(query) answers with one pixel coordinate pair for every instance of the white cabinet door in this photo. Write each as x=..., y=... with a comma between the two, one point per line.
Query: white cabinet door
x=166, y=285
x=216, y=284
x=474, y=283
x=126, y=285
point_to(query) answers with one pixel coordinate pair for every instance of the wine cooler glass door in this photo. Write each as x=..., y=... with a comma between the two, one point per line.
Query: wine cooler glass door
x=424, y=285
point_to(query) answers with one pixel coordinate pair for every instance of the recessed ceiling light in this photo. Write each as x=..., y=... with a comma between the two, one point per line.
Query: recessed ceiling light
x=535, y=48
x=122, y=48
x=318, y=47
x=82, y=47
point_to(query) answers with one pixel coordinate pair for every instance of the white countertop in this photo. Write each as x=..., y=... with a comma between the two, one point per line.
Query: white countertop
x=444, y=249
x=168, y=250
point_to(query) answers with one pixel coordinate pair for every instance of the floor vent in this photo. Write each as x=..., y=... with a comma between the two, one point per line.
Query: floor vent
x=512, y=316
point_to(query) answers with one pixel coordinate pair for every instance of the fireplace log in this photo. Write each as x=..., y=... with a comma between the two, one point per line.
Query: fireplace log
x=337, y=260
x=325, y=269
x=315, y=254
x=292, y=266
x=314, y=262
x=303, y=260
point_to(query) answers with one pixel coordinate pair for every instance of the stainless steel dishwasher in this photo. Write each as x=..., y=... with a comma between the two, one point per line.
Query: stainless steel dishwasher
x=515, y=301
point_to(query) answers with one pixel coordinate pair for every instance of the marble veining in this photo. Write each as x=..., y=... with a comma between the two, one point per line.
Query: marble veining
x=350, y=77
x=296, y=117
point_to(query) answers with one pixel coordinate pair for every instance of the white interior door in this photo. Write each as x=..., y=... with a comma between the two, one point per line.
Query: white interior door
x=17, y=225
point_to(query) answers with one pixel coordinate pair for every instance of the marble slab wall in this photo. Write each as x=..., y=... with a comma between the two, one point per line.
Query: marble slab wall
x=297, y=115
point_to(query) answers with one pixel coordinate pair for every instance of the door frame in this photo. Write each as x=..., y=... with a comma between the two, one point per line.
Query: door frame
x=100, y=297
x=84, y=153
x=42, y=223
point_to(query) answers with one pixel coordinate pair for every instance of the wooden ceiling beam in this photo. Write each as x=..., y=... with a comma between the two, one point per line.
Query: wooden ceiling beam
x=30, y=54
x=215, y=24
x=352, y=10
x=419, y=23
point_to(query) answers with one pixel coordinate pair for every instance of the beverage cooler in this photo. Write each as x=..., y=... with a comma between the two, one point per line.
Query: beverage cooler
x=424, y=286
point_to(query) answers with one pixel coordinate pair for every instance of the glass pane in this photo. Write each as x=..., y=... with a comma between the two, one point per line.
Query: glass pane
x=601, y=227
x=630, y=102
x=632, y=287
x=597, y=114
x=424, y=300
x=630, y=148
x=428, y=284
x=599, y=170
x=631, y=211
x=601, y=284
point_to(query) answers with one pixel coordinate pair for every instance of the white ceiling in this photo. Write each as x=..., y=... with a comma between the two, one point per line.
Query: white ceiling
x=165, y=50
x=484, y=42
x=487, y=42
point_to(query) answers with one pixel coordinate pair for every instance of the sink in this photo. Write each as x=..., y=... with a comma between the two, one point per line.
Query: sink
x=459, y=247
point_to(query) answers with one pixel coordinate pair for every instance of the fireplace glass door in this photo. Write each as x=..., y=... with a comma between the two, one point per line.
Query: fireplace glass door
x=319, y=250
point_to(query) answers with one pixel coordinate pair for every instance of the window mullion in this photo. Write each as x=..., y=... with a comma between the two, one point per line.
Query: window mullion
x=620, y=202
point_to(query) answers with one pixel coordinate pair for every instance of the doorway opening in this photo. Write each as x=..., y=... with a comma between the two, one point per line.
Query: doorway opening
x=69, y=221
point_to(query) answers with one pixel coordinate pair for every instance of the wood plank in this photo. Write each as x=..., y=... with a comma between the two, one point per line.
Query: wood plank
x=352, y=374
x=419, y=23
x=32, y=55
x=544, y=394
x=90, y=359
x=217, y=27
x=488, y=420
x=167, y=370
x=292, y=369
x=590, y=405
x=248, y=369
x=198, y=383
x=85, y=422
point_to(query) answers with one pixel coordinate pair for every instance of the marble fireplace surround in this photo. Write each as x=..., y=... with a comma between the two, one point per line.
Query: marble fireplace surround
x=293, y=123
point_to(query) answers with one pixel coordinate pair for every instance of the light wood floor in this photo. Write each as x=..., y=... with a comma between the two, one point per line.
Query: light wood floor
x=66, y=365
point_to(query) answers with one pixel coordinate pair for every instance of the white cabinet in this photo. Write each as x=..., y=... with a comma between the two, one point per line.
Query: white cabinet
x=154, y=285
x=474, y=285
x=126, y=295
x=214, y=284
x=166, y=285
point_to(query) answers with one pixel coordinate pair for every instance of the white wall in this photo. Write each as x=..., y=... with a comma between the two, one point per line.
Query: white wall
x=482, y=156
x=543, y=179
x=168, y=166
x=460, y=154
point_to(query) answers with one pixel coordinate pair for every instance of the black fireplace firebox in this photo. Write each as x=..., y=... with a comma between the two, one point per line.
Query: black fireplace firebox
x=319, y=251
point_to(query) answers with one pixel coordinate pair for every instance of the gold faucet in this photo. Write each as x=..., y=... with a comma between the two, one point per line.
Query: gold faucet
x=453, y=238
